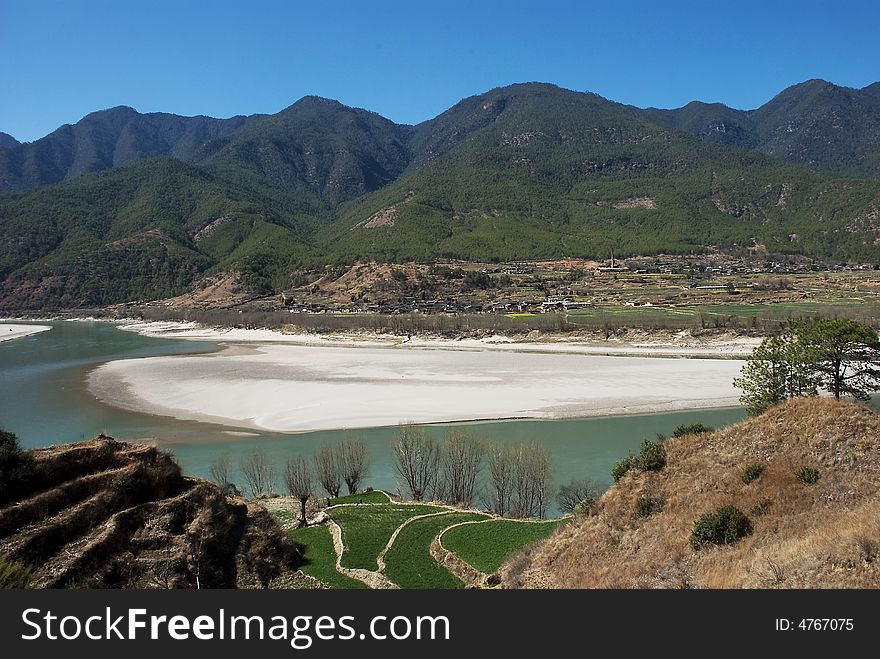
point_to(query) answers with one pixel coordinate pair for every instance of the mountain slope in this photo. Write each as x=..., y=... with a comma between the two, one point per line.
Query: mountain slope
x=7, y=140
x=823, y=535
x=102, y=140
x=142, y=232
x=534, y=171
x=318, y=153
x=814, y=123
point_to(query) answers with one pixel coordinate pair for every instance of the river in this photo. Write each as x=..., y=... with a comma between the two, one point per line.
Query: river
x=44, y=400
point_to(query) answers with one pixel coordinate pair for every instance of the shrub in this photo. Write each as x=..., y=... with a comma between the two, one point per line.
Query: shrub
x=692, y=429
x=722, y=526
x=585, y=508
x=652, y=457
x=762, y=507
x=807, y=475
x=647, y=506
x=751, y=473
x=619, y=469
x=14, y=465
x=13, y=574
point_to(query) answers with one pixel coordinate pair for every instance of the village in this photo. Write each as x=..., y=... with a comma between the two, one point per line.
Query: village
x=569, y=285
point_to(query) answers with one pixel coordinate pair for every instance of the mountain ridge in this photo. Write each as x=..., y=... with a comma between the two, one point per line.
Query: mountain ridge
x=525, y=171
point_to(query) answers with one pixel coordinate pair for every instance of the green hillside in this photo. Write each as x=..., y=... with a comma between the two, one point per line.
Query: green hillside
x=558, y=173
x=522, y=172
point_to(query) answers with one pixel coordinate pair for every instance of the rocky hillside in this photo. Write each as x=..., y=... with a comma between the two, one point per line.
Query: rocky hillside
x=820, y=535
x=108, y=514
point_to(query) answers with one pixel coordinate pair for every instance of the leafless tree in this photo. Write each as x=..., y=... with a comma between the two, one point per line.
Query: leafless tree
x=578, y=491
x=501, y=478
x=220, y=470
x=417, y=459
x=353, y=459
x=258, y=473
x=520, y=478
x=299, y=481
x=461, y=458
x=327, y=470
x=532, y=479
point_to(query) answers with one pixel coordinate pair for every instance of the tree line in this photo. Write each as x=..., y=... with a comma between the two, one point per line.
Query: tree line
x=462, y=469
x=838, y=356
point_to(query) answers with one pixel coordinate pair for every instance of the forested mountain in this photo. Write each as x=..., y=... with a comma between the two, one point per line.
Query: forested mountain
x=547, y=172
x=815, y=123
x=526, y=171
x=7, y=140
x=102, y=140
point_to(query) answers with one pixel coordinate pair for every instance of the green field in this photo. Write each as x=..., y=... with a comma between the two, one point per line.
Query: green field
x=367, y=529
x=320, y=559
x=409, y=563
x=376, y=496
x=487, y=545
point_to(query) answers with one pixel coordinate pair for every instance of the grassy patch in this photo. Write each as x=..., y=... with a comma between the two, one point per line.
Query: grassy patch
x=409, y=563
x=486, y=546
x=320, y=559
x=367, y=529
x=376, y=496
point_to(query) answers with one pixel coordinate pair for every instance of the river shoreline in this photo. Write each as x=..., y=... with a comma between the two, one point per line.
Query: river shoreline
x=269, y=381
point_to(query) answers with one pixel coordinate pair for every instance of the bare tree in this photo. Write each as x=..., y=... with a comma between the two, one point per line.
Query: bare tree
x=327, y=470
x=501, y=468
x=353, y=459
x=417, y=458
x=578, y=491
x=258, y=473
x=299, y=481
x=461, y=457
x=220, y=471
x=532, y=479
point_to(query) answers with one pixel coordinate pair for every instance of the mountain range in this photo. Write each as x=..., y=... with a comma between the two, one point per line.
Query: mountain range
x=124, y=206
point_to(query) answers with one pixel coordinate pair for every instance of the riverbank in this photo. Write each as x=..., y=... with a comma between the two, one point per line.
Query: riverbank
x=10, y=331
x=271, y=381
x=632, y=343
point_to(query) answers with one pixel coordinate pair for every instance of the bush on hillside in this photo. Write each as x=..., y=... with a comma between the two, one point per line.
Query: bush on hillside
x=723, y=526
x=13, y=574
x=647, y=506
x=807, y=475
x=751, y=473
x=623, y=466
x=652, y=457
x=691, y=429
x=585, y=508
x=14, y=463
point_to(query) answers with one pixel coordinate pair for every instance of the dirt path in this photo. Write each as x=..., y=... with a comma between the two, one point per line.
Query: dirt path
x=372, y=579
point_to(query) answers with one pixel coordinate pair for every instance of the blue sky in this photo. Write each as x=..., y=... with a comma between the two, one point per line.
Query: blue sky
x=409, y=61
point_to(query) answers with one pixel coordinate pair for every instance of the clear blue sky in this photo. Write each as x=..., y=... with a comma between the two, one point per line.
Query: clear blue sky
x=410, y=60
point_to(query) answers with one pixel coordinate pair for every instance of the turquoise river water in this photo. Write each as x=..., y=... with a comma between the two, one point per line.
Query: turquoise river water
x=43, y=399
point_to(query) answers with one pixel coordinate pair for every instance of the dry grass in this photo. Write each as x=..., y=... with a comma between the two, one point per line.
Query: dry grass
x=825, y=535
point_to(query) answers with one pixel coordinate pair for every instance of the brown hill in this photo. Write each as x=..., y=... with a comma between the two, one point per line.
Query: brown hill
x=824, y=535
x=104, y=513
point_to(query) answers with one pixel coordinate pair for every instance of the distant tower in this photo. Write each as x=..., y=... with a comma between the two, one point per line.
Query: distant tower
x=612, y=257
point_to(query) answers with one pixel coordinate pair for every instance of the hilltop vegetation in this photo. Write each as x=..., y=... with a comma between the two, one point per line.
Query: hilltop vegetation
x=522, y=172
x=784, y=500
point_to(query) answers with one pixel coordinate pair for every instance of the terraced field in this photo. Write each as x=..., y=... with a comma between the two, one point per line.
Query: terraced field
x=371, y=540
x=104, y=513
x=487, y=545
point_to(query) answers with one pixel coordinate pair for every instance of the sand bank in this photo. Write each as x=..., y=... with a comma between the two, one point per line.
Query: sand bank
x=9, y=331
x=680, y=344
x=283, y=386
